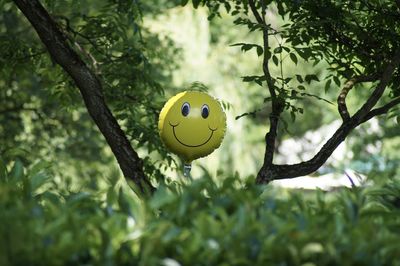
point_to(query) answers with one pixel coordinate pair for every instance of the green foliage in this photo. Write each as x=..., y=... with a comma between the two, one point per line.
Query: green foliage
x=229, y=222
x=42, y=107
x=46, y=222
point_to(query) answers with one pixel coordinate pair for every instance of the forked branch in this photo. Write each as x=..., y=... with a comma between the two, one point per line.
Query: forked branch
x=273, y=172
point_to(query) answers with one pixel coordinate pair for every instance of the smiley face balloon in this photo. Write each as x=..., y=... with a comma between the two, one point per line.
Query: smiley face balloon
x=192, y=125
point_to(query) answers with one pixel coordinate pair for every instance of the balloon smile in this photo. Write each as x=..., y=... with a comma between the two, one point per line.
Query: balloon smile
x=192, y=125
x=191, y=146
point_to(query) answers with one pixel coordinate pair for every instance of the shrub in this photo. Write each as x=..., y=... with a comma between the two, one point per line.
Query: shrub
x=232, y=222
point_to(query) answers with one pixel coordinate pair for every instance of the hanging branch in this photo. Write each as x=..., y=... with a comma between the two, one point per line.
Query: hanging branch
x=90, y=88
x=277, y=104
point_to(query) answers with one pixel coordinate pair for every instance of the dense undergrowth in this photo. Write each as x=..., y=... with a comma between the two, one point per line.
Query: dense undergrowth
x=43, y=221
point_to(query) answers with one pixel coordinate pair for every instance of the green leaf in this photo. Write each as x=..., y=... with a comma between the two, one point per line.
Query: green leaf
x=301, y=87
x=278, y=50
x=293, y=57
x=17, y=170
x=293, y=116
x=299, y=78
x=287, y=80
x=39, y=180
x=258, y=81
x=281, y=9
x=259, y=50
x=310, y=78
x=275, y=60
x=247, y=47
x=38, y=167
x=336, y=80
x=196, y=3
x=248, y=78
x=304, y=53
x=328, y=85
x=227, y=7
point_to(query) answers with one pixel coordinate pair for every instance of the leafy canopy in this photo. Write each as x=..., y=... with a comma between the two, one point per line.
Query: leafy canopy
x=356, y=38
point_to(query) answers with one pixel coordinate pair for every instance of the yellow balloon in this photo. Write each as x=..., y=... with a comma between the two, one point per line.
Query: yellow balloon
x=192, y=124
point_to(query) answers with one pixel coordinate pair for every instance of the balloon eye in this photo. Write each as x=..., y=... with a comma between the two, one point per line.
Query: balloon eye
x=185, y=109
x=205, y=111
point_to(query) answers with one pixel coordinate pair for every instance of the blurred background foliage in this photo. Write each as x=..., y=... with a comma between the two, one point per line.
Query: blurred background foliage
x=62, y=198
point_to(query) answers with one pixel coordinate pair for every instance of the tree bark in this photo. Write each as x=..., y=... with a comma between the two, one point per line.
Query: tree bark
x=274, y=172
x=90, y=88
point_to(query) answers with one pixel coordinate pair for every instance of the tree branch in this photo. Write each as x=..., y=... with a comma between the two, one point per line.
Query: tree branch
x=307, y=167
x=274, y=172
x=267, y=73
x=344, y=113
x=277, y=106
x=341, y=100
x=90, y=88
x=381, y=110
x=378, y=92
x=255, y=12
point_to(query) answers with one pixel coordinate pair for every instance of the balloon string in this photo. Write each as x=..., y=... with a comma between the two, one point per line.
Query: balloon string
x=186, y=170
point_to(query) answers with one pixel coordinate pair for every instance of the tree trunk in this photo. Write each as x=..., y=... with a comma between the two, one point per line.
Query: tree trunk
x=90, y=88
